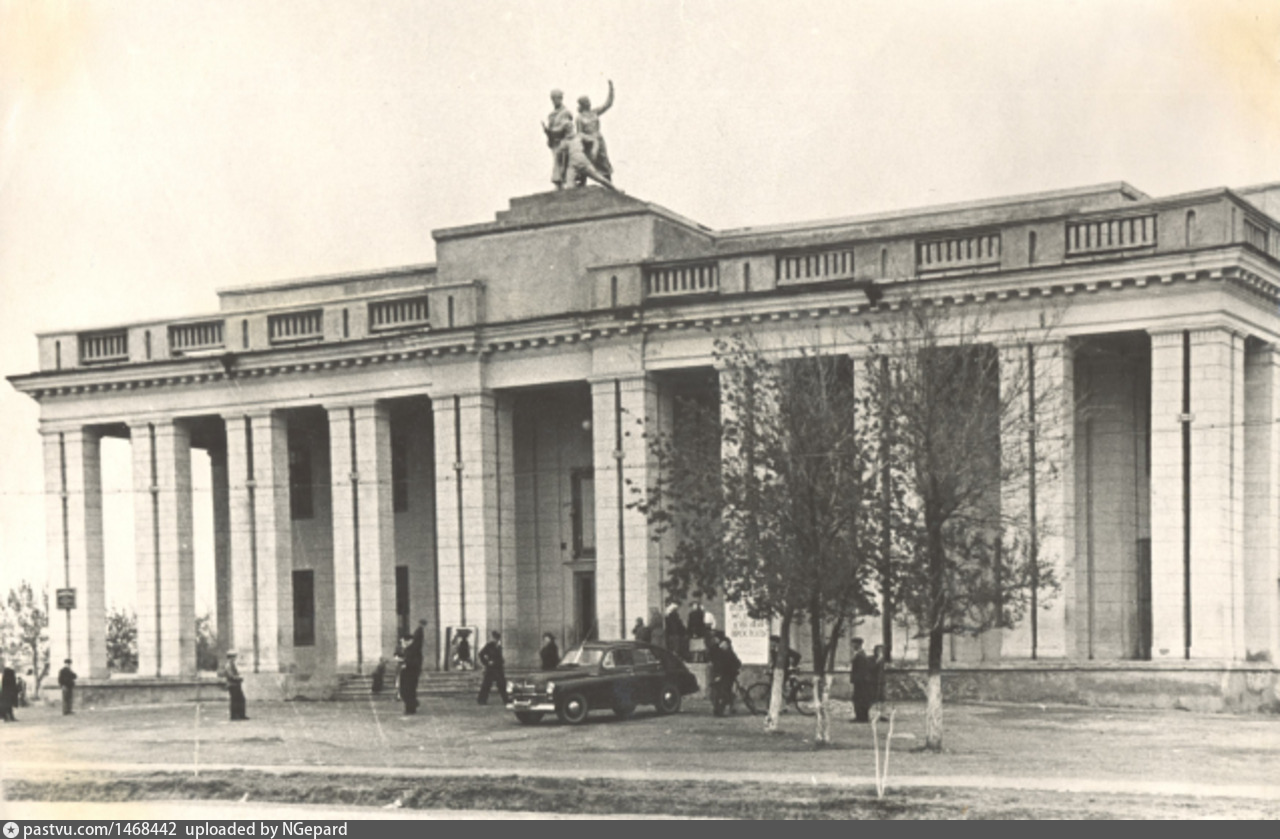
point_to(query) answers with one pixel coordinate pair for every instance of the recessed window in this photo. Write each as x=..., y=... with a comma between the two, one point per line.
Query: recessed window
x=304, y=608
x=300, y=490
x=399, y=475
x=402, y=599
x=584, y=513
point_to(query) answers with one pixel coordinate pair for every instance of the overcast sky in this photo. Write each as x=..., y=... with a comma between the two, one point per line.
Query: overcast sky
x=154, y=151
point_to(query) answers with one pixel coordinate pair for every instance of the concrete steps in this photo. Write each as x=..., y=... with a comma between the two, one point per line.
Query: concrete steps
x=354, y=687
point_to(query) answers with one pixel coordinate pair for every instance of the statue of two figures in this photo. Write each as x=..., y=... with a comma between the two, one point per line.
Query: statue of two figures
x=577, y=146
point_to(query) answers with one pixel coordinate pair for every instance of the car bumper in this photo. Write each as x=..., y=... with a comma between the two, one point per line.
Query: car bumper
x=535, y=705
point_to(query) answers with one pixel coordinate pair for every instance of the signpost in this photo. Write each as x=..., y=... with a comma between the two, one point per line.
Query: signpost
x=66, y=598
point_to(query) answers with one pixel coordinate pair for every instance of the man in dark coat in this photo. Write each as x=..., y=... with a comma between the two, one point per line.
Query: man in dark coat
x=642, y=633
x=494, y=669
x=725, y=667
x=413, y=668
x=235, y=688
x=67, y=681
x=8, y=694
x=863, y=676
x=673, y=635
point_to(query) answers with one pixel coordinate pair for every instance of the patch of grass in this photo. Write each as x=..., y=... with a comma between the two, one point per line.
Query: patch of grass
x=600, y=796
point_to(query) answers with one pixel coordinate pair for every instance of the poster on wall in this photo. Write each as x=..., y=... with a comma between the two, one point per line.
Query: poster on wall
x=459, y=648
x=750, y=636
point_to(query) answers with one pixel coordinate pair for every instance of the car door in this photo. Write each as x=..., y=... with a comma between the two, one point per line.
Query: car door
x=649, y=676
x=619, y=668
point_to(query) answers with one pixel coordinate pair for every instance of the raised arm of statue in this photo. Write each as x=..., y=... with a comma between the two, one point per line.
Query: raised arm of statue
x=608, y=102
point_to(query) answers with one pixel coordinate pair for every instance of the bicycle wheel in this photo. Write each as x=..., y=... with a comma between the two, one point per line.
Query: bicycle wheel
x=756, y=697
x=802, y=698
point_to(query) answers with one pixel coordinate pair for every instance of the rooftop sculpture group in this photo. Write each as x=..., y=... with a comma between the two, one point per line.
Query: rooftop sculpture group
x=577, y=146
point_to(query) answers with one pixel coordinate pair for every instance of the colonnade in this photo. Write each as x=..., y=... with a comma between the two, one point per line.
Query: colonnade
x=1214, y=515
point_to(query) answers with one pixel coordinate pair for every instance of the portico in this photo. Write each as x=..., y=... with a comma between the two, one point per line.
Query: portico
x=462, y=441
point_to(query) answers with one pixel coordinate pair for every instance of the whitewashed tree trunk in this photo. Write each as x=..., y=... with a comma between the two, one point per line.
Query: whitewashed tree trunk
x=933, y=712
x=775, y=700
x=822, y=715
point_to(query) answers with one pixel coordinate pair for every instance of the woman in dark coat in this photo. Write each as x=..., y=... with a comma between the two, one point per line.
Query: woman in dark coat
x=550, y=652
x=8, y=694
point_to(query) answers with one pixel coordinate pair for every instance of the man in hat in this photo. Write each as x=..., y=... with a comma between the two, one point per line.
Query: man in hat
x=234, y=682
x=863, y=676
x=413, y=668
x=67, y=681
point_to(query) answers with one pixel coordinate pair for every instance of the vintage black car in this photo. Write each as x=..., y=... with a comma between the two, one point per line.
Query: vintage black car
x=617, y=675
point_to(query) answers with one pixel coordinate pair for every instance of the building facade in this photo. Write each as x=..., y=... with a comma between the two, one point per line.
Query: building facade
x=461, y=441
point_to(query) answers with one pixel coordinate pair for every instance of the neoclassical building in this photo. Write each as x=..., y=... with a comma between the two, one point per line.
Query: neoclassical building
x=459, y=441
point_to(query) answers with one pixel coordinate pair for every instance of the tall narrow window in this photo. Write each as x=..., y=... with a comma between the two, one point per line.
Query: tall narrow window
x=304, y=608
x=244, y=334
x=1190, y=233
x=584, y=513
x=884, y=263
x=613, y=292
x=1031, y=247
x=399, y=475
x=402, y=599
x=300, y=502
x=746, y=276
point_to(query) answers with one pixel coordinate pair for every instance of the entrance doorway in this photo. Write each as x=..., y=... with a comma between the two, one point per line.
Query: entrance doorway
x=584, y=605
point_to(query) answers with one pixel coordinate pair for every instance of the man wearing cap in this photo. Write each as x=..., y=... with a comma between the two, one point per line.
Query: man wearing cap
x=67, y=681
x=234, y=682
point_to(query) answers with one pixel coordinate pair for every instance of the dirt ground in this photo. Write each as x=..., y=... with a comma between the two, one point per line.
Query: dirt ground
x=1000, y=761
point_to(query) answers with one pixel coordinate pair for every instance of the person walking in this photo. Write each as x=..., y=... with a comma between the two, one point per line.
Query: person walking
x=235, y=688
x=642, y=633
x=494, y=669
x=67, y=681
x=863, y=677
x=725, y=667
x=549, y=652
x=8, y=694
x=412, y=668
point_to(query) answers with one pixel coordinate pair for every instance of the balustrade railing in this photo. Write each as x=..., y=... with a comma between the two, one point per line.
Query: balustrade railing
x=394, y=314
x=1263, y=237
x=99, y=347
x=295, y=326
x=978, y=250
x=1114, y=234
x=816, y=266
x=184, y=337
x=677, y=280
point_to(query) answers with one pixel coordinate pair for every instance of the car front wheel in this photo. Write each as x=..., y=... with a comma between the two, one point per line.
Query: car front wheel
x=573, y=709
x=669, y=699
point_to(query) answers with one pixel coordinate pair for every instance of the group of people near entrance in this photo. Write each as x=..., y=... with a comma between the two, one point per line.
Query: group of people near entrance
x=13, y=690
x=408, y=664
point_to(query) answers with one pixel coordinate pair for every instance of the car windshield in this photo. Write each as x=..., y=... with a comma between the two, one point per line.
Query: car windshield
x=581, y=657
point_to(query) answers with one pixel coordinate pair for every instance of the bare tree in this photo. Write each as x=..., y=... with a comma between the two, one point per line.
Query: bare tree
x=771, y=500
x=953, y=414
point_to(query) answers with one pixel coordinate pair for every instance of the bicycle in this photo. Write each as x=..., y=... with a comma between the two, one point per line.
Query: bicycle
x=722, y=703
x=797, y=693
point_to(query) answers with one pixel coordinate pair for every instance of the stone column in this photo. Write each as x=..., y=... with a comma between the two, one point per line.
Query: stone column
x=628, y=571
x=1167, y=496
x=163, y=547
x=261, y=559
x=1217, y=481
x=1037, y=500
x=475, y=512
x=364, y=556
x=1262, y=500
x=1208, y=365
x=73, y=515
x=219, y=486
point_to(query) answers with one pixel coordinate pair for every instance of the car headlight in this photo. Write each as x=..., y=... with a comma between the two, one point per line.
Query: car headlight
x=551, y=688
